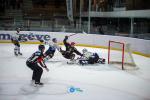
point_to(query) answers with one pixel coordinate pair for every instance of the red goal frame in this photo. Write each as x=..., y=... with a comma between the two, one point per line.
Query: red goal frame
x=122, y=49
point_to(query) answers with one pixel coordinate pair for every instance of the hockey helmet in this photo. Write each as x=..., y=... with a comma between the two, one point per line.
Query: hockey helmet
x=84, y=50
x=54, y=40
x=72, y=43
x=17, y=29
x=41, y=47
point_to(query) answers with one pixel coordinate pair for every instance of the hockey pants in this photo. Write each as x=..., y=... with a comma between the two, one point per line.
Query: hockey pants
x=17, y=47
x=37, y=71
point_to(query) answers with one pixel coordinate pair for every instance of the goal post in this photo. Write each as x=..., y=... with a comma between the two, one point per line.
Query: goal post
x=120, y=54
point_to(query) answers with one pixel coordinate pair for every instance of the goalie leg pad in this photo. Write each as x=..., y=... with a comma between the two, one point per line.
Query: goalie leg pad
x=101, y=60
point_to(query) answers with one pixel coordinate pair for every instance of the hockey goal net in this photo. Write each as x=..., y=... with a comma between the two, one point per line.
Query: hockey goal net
x=120, y=54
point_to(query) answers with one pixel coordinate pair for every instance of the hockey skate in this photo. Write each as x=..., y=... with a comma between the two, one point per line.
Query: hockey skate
x=15, y=54
x=19, y=53
x=38, y=84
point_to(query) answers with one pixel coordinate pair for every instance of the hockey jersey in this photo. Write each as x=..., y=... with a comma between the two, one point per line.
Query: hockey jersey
x=69, y=48
x=87, y=55
x=15, y=36
x=52, y=46
x=36, y=57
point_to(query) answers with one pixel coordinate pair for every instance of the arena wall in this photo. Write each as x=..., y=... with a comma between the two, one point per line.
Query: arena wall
x=139, y=46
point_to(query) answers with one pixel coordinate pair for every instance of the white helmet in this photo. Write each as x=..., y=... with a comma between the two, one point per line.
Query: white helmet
x=84, y=50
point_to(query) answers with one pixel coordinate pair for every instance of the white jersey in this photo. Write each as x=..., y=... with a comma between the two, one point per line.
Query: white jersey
x=15, y=36
x=53, y=45
x=87, y=55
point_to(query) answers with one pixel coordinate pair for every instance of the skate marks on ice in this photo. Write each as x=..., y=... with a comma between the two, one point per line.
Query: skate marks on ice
x=54, y=61
x=47, y=89
x=28, y=89
x=16, y=89
x=13, y=57
x=94, y=67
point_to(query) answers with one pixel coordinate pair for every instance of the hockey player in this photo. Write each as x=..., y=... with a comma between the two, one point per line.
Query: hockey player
x=53, y=45
x=70, y=50
x=32, y=63
x=15, y=38
x=90, y=58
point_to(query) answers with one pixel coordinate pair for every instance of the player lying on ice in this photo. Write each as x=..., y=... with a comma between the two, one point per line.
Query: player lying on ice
x=85, y=58
x=90, y=58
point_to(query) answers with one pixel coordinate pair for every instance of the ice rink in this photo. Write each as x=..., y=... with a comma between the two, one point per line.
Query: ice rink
x=92, y=82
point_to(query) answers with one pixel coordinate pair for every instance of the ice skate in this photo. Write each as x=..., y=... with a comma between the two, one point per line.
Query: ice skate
x=15, y=54
x=38, y=84
x=19, y=53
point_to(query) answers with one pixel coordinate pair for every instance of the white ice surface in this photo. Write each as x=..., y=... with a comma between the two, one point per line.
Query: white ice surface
x=98, y=82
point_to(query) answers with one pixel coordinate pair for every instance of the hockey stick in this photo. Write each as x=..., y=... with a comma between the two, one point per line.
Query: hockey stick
x=72, y=34
x=77, y=33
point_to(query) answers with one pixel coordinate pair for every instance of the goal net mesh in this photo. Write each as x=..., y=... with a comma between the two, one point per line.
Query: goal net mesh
x=120, y=54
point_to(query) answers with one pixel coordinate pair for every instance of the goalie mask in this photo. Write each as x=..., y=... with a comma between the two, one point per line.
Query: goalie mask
x=84, y=50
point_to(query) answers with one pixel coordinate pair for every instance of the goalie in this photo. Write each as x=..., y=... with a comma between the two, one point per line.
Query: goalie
x=90, y=58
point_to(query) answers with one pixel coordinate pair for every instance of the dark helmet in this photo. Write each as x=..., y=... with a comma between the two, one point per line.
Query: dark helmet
x=54, y=40
x=17, y=29
x=41, y=47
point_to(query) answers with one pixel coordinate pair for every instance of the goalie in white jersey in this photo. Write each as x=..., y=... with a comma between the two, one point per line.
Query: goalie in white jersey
x=15, y=38
x=90, y=58
x=53, y=45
